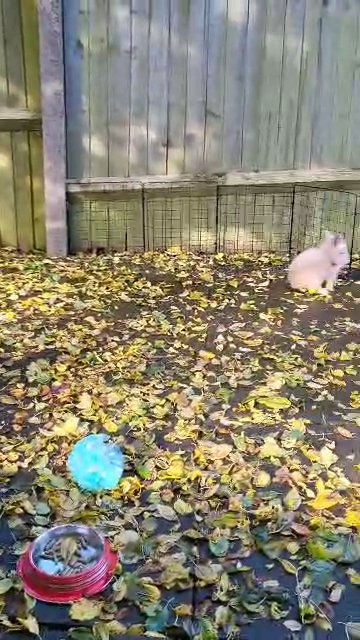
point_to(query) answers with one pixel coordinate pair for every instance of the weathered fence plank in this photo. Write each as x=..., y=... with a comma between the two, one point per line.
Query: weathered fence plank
x=272, y=69
x=290, y=80
x=179, y=19
x=215, y=88
x=8, y=230
x=354, y=115
x=157, y=124
x=326, y=77
x=307, y=84
x=119, y=91
x=53, y=116
x=138, y=164
x=37, y=189
x=196, y=87
x=22, y=188
x=76, y=43
x=99, y=85
x=255, y=45
x=234, y=98
x=348, y=40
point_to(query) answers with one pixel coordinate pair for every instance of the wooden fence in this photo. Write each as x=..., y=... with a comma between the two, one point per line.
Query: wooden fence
x=21, y=171
x=188, y=86
x=153, y=89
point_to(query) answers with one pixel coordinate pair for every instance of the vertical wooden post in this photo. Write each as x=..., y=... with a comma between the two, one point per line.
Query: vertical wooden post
x=53, y=119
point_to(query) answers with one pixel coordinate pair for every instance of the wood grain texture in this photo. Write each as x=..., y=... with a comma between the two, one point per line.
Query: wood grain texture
x=77, y=95
x=157, y=123
x=19, y=120
x=348, y=44
x=234, y=98
x=99, y=87
x=322, y=133
x=290, y=82
x=177, y=97
x=215, y=88
x=196, y=86
x=255, y=47
x=37, y=189
x=8, y=229
x=307, y=83
x=119, y=89
x=353, y=139
x=271, y=81
x=14, y=54
x=140, y=15
x=53, y=115
x=22, y=187
x=174, y=86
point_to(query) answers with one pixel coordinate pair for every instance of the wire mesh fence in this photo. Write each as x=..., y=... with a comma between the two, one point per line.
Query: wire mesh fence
x=214, y=219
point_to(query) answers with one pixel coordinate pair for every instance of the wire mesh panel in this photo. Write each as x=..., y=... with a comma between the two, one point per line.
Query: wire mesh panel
x=181, y=218
x=254, y=221
x=320, y=210
x=110, y=224
x=210, y=218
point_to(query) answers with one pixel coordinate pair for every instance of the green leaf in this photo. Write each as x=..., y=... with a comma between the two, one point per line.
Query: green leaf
x=157, y=622
x=5, y=585
x=220, y=547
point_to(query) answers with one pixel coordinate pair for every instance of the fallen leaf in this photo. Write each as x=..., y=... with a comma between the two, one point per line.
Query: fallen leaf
x=5, y=585
x=166, y=512
x=324, y=499
x=292, y=625
x=85, y=609
x=327, y=457
x=292, y=500
x=271, y=449
x=31, y=624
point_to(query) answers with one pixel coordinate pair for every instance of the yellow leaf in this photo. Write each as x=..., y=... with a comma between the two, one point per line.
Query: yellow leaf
x=175, y=471
x=323, y=498
x=352, y=518
x=69, y=427
x=182, y=508
x=85, y=402
x=31, y=624
x=7, y=400
x=288, y=566
x=207, y=355
x=85, y=609
x=214, y=451
x=274, y=402
x=327, y=457
x=271, y=449
x=353, y=576
x=262, y=479
x=110, y=426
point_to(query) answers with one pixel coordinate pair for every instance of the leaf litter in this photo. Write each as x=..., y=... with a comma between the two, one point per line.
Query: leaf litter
x=235, y=402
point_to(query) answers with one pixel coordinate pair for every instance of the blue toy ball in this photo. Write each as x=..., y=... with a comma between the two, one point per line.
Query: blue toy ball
x=96, y=464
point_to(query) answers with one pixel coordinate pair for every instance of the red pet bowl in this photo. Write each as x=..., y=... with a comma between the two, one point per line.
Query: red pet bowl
x=62, y=589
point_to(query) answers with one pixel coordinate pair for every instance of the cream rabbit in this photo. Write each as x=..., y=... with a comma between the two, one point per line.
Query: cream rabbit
x=319, y=266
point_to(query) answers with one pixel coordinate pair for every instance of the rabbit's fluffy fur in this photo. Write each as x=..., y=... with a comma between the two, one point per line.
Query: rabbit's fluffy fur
x=318, y=268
